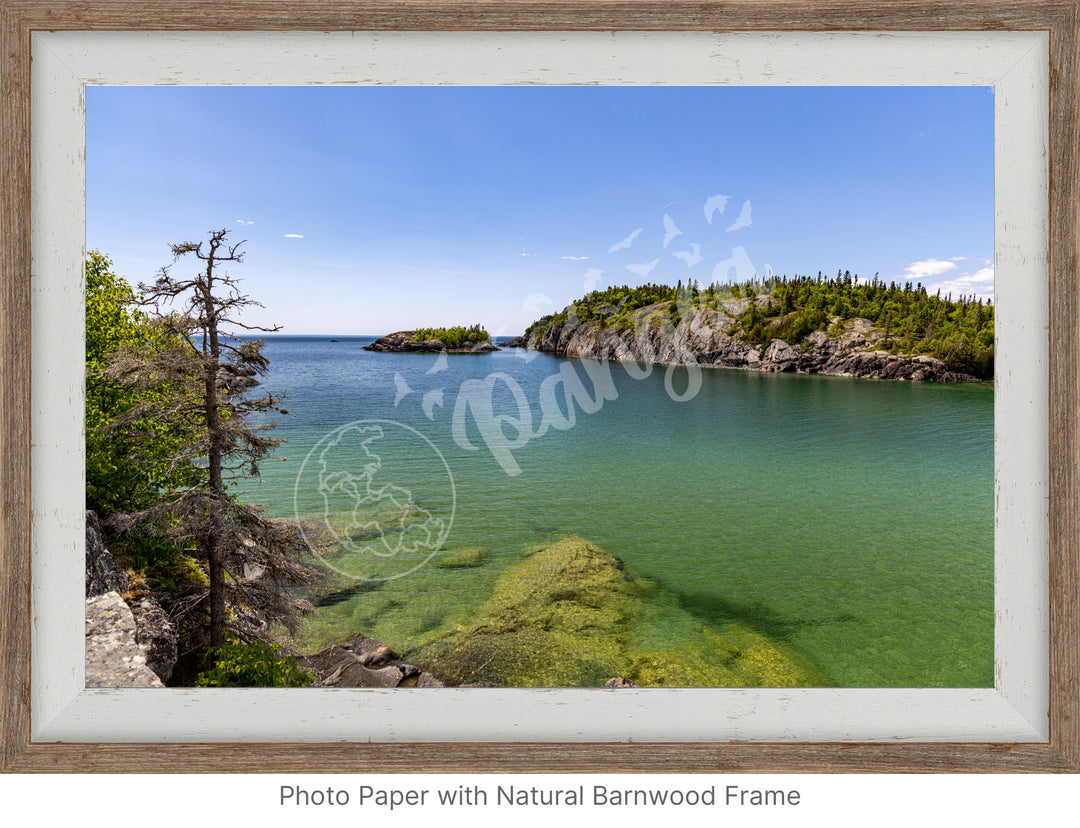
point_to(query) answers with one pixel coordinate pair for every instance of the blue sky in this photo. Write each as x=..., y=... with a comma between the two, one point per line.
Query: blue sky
x=372, y=209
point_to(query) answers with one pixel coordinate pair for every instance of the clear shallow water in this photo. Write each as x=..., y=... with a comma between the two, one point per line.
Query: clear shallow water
x=851, y=519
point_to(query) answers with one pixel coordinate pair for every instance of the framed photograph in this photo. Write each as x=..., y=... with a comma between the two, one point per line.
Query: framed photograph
x=840, y=580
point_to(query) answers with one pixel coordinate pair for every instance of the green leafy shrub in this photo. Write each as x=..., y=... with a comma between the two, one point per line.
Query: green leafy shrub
x=253, y=665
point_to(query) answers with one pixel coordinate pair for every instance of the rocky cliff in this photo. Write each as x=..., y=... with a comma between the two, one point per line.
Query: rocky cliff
x=850, y=348
x=130, y=641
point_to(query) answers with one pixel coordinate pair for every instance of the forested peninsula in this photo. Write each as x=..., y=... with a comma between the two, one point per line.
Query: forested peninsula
x=841, y=326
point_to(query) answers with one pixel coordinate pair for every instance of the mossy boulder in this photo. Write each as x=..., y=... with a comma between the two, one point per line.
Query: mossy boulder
x=569, y=615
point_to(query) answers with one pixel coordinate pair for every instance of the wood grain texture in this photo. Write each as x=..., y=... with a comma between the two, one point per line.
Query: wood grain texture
x=18, y=18
x=547, y=15
x=543, y=758
x=14, y=385
x=1065, y=387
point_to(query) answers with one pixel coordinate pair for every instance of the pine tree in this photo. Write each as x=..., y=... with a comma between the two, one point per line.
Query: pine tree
x=250, y=560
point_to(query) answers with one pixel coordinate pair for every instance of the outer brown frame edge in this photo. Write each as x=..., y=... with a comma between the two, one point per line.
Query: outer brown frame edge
x=1065, y=386
x=14, y=387
x=18, y=18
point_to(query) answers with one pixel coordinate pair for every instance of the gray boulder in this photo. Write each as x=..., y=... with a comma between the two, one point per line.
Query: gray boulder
x=156, y=633
x=113, y=656
x=359, y=662
x=102, y=573
x=428, y=680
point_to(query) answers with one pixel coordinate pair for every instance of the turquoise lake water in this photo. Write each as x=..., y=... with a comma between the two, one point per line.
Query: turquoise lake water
x=851, y=519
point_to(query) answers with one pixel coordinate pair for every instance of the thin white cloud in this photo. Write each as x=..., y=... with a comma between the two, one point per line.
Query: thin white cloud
x=978, y=284
x=293, y=236
x=927, y=269
x=241, y=221
x=592, y=278
x=575, y=258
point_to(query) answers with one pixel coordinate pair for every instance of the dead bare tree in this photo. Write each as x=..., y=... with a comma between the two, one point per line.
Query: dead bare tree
x=250, y=560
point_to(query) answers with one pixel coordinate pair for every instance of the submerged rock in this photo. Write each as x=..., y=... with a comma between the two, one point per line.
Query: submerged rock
x=570, y=615
x=465, y=558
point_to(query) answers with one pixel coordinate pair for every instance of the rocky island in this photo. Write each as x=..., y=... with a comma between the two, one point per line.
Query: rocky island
x=456, y=340
x=905, y=334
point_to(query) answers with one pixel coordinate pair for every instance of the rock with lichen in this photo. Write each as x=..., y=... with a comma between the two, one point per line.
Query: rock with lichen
x=113, y=656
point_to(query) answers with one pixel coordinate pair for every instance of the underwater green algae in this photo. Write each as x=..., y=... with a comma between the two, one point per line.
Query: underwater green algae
x=465, y=558
x=569, y=614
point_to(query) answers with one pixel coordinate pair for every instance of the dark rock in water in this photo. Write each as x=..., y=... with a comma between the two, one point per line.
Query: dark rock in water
x=113, y=657
x=513, y=342
x=618, y=683
x=405, y=341
x=373, y=654
x=359, y=662
x=331, y=599
x=467, y=558
x=102, y=573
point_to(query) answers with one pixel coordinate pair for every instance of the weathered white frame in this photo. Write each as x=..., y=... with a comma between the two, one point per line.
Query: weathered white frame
x=1015, y=710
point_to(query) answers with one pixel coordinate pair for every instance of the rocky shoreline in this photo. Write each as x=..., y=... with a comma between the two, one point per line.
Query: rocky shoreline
x=851, y=348
x=406, y=342
x=564, y=614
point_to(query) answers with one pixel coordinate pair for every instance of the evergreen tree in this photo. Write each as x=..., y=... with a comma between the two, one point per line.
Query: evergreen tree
x=250, y=560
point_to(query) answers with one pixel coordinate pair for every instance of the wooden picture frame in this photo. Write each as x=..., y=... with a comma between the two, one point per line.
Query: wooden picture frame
x=1060, y=19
